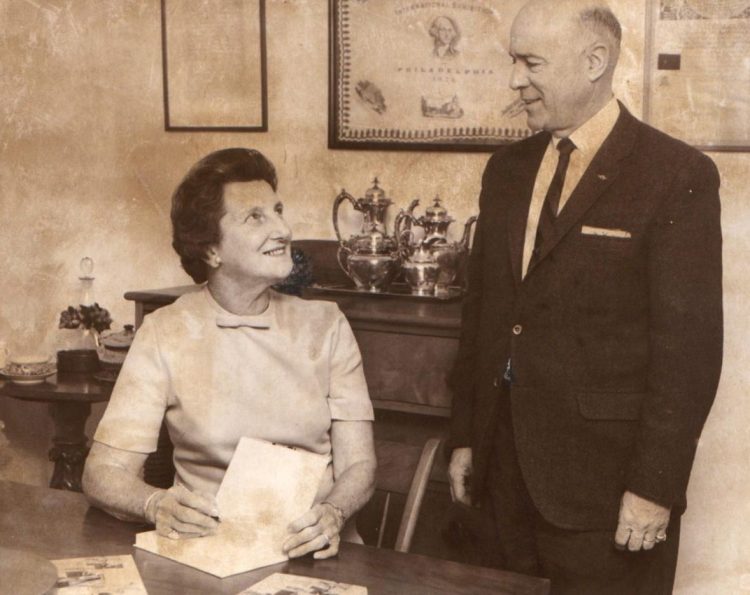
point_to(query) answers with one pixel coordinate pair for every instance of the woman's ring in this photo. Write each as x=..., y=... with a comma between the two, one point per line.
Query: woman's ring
x=173, y=534
x=661, y=537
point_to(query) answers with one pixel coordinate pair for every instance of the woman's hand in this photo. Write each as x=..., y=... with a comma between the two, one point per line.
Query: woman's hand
x=315, y=531
x=319, y=529
x=179, y=513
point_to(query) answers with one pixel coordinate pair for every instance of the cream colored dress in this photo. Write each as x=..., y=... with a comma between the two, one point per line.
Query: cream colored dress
x=282, y=379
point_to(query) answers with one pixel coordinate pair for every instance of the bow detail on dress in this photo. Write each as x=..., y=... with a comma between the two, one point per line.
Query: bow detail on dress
x=236, y=321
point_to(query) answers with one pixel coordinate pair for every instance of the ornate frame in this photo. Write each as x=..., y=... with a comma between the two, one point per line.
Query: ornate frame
x=395, y=87
x=209, y=90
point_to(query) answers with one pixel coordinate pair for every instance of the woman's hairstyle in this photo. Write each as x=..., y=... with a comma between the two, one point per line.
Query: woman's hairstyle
x=198, y=202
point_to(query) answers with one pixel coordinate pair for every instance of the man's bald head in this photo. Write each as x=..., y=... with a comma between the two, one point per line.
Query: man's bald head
x=601, y=22
x=594, y=17
x=565, y=53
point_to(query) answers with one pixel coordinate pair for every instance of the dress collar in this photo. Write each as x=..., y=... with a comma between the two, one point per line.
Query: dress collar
x=226, y=319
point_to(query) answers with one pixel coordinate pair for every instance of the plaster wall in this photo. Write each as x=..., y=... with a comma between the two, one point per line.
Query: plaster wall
x=86, y=168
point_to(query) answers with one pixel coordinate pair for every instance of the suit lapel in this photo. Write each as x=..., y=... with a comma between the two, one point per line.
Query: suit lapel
x=601, y=173
x=523, y=170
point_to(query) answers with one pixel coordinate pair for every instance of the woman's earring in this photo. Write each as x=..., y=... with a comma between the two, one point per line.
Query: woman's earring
x=217, y=262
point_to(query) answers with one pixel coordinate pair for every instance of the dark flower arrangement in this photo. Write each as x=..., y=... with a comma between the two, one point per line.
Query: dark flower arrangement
x=86, y=317
x=300, y=277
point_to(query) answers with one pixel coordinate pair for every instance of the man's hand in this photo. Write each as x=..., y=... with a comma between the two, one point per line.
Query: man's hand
x=642, y=523
x=459, y=473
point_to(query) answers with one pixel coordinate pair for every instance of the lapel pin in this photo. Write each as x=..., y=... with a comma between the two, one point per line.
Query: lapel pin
x=602, y=177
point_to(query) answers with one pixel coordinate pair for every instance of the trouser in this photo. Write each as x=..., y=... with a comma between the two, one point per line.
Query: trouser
x=576, y=562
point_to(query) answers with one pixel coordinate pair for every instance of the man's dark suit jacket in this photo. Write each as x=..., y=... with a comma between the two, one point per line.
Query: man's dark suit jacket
x=615, y=342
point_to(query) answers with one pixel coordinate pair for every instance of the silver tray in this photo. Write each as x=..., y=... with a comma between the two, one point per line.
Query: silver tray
x=395, y=290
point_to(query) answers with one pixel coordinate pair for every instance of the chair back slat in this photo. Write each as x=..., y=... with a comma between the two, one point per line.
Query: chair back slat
x=403, y=469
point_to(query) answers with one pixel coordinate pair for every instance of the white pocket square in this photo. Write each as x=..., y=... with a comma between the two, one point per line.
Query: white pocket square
x=605, y=232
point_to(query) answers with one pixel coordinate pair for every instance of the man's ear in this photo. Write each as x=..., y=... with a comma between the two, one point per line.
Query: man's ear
x=597, y=60
x=212, y=257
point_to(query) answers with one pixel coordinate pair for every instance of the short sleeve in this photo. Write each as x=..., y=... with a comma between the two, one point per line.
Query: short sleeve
x=139, y=400
x=348, y=399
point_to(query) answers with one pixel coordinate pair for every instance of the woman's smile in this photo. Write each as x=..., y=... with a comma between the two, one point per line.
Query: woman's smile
x=281, y=251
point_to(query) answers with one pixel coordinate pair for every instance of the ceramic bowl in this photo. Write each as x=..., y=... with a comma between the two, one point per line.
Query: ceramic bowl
x=32, y=365
x=29, y=369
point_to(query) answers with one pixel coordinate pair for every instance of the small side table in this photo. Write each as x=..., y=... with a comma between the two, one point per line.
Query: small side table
x=69, y=396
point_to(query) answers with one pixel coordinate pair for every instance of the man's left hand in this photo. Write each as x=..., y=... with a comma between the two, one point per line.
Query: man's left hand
x=642, y=523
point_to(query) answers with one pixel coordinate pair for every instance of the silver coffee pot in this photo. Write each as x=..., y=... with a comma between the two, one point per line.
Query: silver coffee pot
x=370, y=258
x=449, y=256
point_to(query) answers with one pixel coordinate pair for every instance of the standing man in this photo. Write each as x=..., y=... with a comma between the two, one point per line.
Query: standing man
x=592, y=331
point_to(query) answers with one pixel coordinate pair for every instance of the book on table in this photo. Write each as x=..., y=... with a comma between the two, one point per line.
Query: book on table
x=94, y=575
x=292, y=584
x=266, y=487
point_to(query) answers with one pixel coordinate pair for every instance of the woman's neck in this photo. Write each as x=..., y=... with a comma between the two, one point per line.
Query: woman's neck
x=240, y=299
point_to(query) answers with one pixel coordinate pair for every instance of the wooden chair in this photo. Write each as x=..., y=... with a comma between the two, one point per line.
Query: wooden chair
x=402, y=477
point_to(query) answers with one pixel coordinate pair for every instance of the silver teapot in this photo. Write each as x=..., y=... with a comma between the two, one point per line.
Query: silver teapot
x=449, y=256
x=421, y=269
x=371, y=258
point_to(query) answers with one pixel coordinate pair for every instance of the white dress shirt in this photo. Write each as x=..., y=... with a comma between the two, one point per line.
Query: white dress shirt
x=588, y=139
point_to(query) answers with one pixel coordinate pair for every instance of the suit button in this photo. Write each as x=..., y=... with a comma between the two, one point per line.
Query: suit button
x=518, y=329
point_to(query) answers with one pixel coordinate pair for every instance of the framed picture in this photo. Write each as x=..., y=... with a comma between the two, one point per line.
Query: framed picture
x=214, y=65
x=697, y=74
x=422, y=75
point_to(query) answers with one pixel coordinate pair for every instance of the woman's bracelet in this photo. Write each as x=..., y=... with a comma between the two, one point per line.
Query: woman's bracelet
x=148, y=502
x=338, y=511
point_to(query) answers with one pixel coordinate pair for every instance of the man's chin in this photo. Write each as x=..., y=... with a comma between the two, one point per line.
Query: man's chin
x=534, y=123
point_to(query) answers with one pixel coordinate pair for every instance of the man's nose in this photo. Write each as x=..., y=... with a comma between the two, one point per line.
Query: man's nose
x=518, y=78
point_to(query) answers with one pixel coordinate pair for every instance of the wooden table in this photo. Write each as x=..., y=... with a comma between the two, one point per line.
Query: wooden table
x=57, y=524
x=69, y=396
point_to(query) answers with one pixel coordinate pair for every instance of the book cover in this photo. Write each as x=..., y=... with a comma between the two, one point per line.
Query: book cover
x=291, y=584
x=93, y=575
x=266, y=487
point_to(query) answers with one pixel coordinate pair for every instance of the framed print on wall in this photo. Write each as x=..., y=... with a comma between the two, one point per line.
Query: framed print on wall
x=415, y=75
x=214, y=65
x=698, y=72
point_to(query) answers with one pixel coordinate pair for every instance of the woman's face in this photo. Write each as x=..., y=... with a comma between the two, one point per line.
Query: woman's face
x=255, y=239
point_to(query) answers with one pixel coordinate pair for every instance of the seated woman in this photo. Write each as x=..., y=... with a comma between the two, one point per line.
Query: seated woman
x=235, y=359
